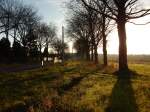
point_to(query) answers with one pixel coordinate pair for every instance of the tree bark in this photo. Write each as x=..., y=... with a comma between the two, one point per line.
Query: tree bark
x=105, y=61
x=105, y=50
x=92, y=53
x=123, y=65
x=95, y=54
x=87, y=54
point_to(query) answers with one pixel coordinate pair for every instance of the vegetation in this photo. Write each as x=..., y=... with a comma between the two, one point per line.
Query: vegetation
x=120, y=11
x=73, y=85
x=22, y=24
x=77, y=86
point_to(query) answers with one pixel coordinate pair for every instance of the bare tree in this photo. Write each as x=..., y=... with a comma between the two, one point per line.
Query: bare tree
x=121, y=11
x=41, y=34
x=57, y=45
x=78, y=30
x=46, y=35
x=16, y=18
x=85, y=27
x=7, y=8
x=96, y=24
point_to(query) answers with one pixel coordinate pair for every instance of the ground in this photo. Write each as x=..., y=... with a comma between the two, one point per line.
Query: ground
x=78, y=86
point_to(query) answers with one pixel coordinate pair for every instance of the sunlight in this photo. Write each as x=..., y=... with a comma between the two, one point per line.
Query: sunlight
x=137, y=38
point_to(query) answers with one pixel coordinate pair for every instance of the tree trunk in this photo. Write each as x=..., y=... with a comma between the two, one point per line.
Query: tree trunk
x=95, y=54
x=123, y=65
x=105, y=61
x=41, y=58
x=47, y=53
x=92, y=53
x=105, y=50
x=87, y=50
x=7, y=27
x=87, y=54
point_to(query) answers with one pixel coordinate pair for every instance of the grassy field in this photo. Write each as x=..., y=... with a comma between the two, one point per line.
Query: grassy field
x=76, y=87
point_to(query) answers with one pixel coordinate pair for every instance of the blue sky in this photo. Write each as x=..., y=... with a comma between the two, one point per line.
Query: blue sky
x=50, y=10
x=138, y=37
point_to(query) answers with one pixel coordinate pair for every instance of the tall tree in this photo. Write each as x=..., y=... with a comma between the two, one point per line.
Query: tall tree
x=78, y=30
x=122, y=11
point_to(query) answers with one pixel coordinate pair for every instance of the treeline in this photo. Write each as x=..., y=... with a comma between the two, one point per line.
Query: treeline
x=92, y=20
x=23, y=35
x=89, y=29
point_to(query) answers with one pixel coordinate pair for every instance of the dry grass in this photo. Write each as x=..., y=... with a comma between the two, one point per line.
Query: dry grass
x=76, y=87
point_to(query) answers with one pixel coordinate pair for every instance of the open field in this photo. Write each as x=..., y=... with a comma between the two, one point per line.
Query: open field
x=76, y=87
x=138, y=59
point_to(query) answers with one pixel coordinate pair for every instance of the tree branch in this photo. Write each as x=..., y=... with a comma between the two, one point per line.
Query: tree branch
x=139, y=23
x=111, y=17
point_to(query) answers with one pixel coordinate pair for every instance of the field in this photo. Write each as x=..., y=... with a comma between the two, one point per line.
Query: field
x=78, y=86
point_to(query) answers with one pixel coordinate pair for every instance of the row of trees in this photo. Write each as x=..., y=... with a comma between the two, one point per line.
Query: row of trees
x=91, y=22
x=23, y=35
x=89, y=29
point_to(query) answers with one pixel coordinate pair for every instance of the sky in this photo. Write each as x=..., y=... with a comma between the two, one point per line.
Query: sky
x=138, y=37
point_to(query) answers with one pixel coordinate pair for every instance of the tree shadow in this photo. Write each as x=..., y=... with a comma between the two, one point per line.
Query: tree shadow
x=122, y=98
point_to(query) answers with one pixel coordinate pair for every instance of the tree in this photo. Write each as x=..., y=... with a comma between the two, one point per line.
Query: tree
x=50, y=34
x=79, y=45
x=78, y=27
x=78, y=30
x=106, y=28
x=6, y=7
x=31, y=43
x=96, y=25
x=121, y=11
x=5, y=49
x=58, y=46
x=19, y=54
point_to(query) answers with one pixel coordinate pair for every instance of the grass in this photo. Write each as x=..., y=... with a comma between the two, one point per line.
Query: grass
x=76, y=87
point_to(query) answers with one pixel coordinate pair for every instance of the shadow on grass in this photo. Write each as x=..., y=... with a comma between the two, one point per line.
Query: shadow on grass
x=69, y=86
x=74, y=82
x=16, y=88
x=122, y=98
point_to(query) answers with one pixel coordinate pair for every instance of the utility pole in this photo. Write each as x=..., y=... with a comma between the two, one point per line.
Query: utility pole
x=63, y=35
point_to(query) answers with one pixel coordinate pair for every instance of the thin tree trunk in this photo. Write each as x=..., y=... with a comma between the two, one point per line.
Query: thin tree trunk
x=7, y=28
x=47, y=52
x=87, y=50
x=95, y=54
x=41, y=52
x=87, y=55
x=105, y=61
x=15, y=35
x=105, y=50
x=92, y=53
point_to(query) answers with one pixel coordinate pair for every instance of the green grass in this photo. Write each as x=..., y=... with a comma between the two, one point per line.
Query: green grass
x=76, y=87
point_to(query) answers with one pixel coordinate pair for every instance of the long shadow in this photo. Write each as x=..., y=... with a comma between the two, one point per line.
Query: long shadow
x=74, y=82
x=18, y=88
x=122, y=98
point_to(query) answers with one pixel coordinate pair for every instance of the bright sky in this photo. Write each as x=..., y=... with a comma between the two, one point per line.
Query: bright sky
x=138, y=37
